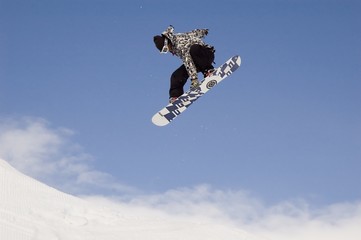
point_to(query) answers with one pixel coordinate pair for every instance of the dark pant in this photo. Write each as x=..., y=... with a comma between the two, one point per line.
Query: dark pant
x=203, y=58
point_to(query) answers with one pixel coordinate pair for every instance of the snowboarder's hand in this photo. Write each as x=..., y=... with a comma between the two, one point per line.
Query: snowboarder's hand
x=194, y=83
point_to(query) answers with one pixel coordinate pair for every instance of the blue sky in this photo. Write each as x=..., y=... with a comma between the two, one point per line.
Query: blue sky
x=85, y=75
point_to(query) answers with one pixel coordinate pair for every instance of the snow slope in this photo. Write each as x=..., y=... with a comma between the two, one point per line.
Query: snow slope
x=32, y=210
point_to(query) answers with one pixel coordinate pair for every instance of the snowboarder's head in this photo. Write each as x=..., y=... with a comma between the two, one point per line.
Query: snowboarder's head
x=162, y=43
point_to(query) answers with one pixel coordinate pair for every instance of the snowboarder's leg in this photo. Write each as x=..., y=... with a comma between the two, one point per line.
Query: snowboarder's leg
x=177, y=81
x=203, y=57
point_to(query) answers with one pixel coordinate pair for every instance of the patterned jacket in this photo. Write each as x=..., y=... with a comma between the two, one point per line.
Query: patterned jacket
x=181, y=44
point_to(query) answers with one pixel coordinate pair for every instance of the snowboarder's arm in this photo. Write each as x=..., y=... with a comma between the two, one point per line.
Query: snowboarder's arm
x=200, y=33
x=189, y=64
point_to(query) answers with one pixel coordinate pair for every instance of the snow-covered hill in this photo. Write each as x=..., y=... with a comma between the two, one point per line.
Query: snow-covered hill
x=32, y=210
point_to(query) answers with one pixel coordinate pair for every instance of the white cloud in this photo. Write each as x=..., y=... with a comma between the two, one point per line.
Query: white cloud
x=338, y=221
x=37, y=149
x=203, y=200
x=294, y=220
x=28, y=144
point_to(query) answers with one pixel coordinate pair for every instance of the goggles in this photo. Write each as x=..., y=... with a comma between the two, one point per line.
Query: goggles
x=165, y=48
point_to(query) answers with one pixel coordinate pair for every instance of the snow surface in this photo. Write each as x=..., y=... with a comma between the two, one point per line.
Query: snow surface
x=32, y=210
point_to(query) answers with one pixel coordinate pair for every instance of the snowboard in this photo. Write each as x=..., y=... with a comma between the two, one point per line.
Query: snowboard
x=172, y=110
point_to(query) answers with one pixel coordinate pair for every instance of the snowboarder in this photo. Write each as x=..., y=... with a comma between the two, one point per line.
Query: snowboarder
x=195, y=54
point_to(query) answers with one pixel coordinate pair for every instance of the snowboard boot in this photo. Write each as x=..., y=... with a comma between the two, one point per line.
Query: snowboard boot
x=172, y=99
x=208, y=72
